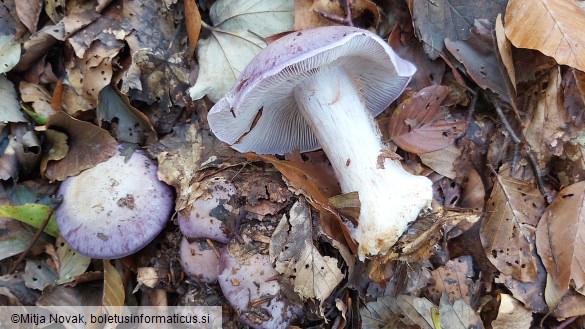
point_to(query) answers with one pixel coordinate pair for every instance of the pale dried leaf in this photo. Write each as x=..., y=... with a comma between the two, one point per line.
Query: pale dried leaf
x=113, y=295
x=71, y=263
x=512, y=314
x=38, y=96
x=397, y=312
x=554, y=27
x=507, y=231
x=458, y=314
x=38, y=275
x=311, y=274
x=28, y=12
x=505, y=49
x=455, y=281
x=9, y=107
x=443, y=161
x=236, y=38
x=9, y=54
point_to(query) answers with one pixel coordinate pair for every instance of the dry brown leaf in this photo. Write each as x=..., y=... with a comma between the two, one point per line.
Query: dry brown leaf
x=505, y=49
x=28, y=12
x=306, y=18
x=473, y=195
x=88, y=146
x=311, y=274
x=39, y=96
x=458, y=314
x=455, y=278
x=560, y=242
x=573, y=86
x=512, y=314
x=554, y=27
x=420, y=125
x=507, y=230
x=193, y=24
x=544, y=126
x=479, y=54
x=443, y=161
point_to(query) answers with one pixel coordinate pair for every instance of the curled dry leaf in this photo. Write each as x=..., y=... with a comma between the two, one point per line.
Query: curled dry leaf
x=507, y=231
x=421, y=125
x=28, y=11
x=481, y=58
x=512, y=314
x=558, y=23
x=560, y=242
x=88, y=146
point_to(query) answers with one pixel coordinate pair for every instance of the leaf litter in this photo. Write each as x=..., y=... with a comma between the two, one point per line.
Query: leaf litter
x=488, y=118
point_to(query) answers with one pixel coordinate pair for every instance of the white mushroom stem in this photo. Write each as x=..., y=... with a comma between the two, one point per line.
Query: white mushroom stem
x=390, y=197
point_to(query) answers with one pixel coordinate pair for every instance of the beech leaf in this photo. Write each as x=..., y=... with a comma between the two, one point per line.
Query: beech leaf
x=400, y=312
x=507, y=231
x=553, y=27
x=560, y=242
x=32, y=214
x=9, y=107
x=113, y=295
x=9, y=53
x=240, y=27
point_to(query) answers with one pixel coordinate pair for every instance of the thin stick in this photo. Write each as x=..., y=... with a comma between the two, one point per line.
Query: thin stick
x=32, y=242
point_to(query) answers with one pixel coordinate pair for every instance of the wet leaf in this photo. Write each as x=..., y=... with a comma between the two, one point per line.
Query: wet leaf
x=421, y=125
x=236, y=38
x=557, y=23
x=88, y=146
x=312, y=274
x=126, y=123
x=31, y=214
x=560, y=238
x=9, y=107
x=507, y=231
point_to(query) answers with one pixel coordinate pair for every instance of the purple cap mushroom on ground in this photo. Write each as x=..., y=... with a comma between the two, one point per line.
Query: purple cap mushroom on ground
x=321, y=88
x=198, y=260
x=115, y=208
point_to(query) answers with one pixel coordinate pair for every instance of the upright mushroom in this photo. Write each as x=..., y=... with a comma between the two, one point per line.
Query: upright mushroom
x=321, y=88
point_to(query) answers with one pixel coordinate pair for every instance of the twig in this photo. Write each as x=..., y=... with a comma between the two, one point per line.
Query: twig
x=347, y=20
x=32, y=242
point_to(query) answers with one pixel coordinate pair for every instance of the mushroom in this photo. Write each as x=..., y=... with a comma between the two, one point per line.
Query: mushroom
x=198, y=260
x=210, y=214
x=321, y=88
x=115, y=208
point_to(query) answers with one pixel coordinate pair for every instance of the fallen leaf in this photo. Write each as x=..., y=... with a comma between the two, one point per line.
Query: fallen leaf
x=311, y=274
x=38, y=275
x=481, y=58
x=512, y=314
x=58, y=150
x=71, y=263
x=458, y=314
x=9, y=53
x=88, y=146
x=29, y=11
x=505, y=50
x=38, y=96
x=113, y=295
x=443, y=161
x=31, y=214
x=126, y=123
x=421, y=125
x=545, y=126
x=14, y=238
x=550, y=26
x=193, y=24
x=398, y=312
x=236, y=38
x=438, y=20
x=455, y=281
x=573, y=87
x=9, y=107
x=560, y=237
x=507, y=231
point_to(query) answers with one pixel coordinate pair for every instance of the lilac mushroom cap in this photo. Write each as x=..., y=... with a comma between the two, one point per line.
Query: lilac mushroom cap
x=198, y=260
x=206, y=217
x=321, y=88
x=115, y=208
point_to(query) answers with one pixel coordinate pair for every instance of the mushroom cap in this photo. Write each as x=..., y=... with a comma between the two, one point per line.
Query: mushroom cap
x=198, y=260
x=260, y=113
x=115, y=208
x=207, y=216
